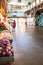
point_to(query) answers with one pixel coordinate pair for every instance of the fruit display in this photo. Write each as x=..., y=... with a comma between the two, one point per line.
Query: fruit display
x=6, y=34
x=2, y=25
x=6, y=48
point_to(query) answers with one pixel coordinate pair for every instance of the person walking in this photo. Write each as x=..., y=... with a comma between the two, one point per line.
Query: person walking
x=13, y=25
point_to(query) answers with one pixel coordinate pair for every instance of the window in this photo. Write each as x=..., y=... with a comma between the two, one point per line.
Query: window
x=29, y=3
x=37, y=2
x=8, y=0
x=19, y=0
x=41, y=0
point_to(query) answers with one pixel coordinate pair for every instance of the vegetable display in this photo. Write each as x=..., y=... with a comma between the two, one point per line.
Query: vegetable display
x=6, y=48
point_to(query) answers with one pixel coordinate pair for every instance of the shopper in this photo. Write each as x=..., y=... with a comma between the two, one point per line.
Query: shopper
x=13, y=25
x=26, y=24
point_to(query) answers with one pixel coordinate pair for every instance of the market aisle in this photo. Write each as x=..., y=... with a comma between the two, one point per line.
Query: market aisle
x=28, y=46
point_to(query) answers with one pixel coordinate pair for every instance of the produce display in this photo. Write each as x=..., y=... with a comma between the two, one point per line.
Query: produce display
x=2, y=25
x=6, y=48
x=6, y=34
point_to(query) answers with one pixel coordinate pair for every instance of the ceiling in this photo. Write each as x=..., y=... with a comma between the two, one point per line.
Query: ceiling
x=20, y=2
x=17, y=0
x=24, y=5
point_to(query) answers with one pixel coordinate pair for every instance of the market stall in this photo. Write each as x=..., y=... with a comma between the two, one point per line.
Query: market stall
x=6, y=48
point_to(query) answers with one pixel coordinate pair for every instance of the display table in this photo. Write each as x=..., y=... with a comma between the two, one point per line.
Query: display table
x=5, y=35
x=4, y=60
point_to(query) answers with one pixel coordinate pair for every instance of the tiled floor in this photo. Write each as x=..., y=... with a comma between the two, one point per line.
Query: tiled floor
x=28, y=46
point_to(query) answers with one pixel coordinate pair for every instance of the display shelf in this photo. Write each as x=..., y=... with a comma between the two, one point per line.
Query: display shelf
x=4, y=60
